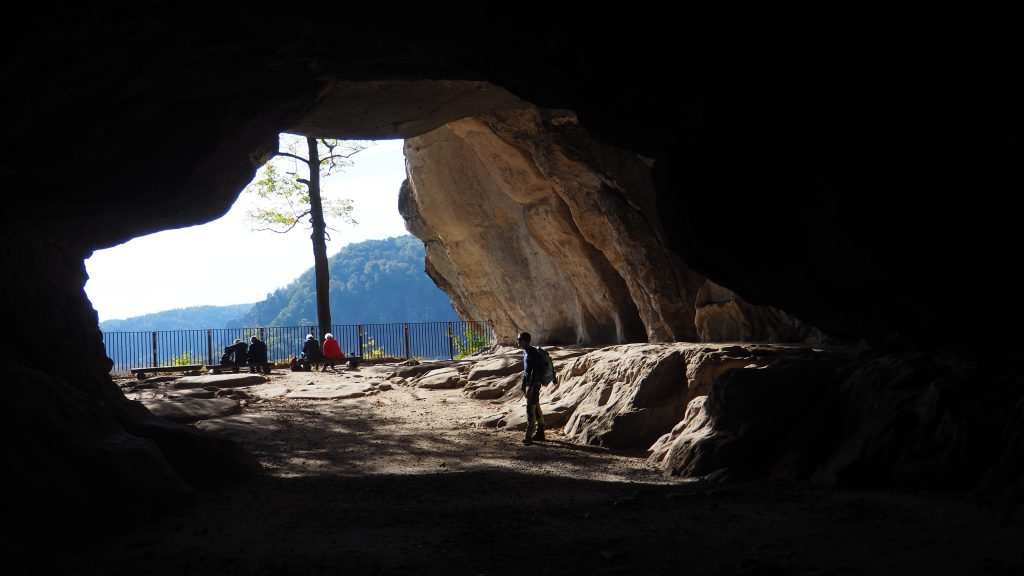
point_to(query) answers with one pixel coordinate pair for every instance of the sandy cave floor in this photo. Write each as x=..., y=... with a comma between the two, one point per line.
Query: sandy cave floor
x=402, y=483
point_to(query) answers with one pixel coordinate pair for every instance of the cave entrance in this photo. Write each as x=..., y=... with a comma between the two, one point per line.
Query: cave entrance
x=143, y=275
x=208, y=273
x=205, y=272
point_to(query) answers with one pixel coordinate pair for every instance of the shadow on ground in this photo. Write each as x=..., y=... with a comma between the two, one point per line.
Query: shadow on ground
x=355, y=488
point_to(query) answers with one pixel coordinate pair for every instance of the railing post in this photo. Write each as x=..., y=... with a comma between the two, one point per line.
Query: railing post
x=451, y=342
x=126, y=347
x=407, y=341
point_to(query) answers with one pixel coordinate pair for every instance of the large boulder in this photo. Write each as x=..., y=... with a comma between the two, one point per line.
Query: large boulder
x=532, y=193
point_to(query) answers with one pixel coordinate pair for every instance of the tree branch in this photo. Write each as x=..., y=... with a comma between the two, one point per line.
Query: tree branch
x=289, y=229
x=290, y=155
x=344, y=156
x=276, y=231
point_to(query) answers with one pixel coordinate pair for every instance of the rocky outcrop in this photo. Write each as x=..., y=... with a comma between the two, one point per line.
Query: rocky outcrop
x=188, y=410
x=527, y=200
x=837, y=416
x=533, y=225
x=722, y=316
x=627, y=396
x=71, y=439
x=859, y=419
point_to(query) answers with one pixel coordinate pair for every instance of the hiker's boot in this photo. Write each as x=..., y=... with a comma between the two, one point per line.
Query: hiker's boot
x=527, y=440
x=539, y=436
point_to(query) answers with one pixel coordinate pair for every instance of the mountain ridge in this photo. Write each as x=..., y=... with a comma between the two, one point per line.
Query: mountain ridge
x=373, y=281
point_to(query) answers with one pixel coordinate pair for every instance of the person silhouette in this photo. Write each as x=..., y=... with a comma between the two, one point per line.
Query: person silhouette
x=332, y=352
x=531, y=389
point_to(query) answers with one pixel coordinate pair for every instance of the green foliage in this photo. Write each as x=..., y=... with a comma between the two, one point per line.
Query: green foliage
x=470, y=342
x=282, y=185
x=286, y=199
x=371, y=350
x=268, y=338
x=183, y=360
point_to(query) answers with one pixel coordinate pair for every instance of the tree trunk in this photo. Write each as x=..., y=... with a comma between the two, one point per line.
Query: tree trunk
x=319, y=238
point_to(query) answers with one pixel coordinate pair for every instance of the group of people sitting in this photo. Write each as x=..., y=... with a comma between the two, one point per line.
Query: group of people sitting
x=313, y=357
x=254, y=355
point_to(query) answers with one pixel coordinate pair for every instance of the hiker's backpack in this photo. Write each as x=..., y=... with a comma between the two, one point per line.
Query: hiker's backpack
x=547, y=369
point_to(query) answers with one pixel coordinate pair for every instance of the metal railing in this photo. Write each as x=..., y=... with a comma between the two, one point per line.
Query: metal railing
x=426, y=340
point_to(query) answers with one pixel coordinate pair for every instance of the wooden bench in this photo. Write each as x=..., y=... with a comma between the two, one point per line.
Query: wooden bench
x=140, y=373
x=218, y=368
x=352, y=362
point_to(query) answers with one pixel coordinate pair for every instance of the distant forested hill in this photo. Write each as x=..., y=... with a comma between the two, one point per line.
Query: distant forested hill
x=179, y=319
x=372, y=282
x=376, y=281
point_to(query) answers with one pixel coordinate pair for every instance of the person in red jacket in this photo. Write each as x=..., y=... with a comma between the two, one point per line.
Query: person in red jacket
x=332, y=352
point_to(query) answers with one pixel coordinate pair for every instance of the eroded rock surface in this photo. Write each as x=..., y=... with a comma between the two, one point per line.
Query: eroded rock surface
x=527, y=200
x=837, y=416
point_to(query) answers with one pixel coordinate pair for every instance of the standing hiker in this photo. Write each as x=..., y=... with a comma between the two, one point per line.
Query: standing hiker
x=534, y=369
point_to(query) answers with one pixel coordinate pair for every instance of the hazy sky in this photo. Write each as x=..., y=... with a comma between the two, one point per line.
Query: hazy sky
x=171, y=269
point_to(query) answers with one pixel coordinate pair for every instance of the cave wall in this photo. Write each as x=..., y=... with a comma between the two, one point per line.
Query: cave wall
x=73, y=444
x=848, y=169
x=533, y=225
x=722, y=316
x=854, y=169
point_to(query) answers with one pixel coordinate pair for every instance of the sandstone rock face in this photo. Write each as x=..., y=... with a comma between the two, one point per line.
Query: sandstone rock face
x=70, y=433
x=503, y=365
x=188, y=410
x=533, y=225
x=335, y=391
x=219, y=380
x=857, y=418
x=752, y=419
x=440, y=379
x=627, y=396
x=624, y=395
x=722, y=316
x=838, y=416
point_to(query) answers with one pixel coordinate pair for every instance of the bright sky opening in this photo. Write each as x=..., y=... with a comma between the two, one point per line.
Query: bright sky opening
x=223, y=263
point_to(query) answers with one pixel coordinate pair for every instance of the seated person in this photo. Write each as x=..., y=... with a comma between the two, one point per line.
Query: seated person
x=332, y=352
x=311, y=355
x=258, y=356
x=235, y=355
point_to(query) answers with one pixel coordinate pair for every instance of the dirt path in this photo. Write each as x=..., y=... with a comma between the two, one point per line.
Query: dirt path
x=399, y=483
